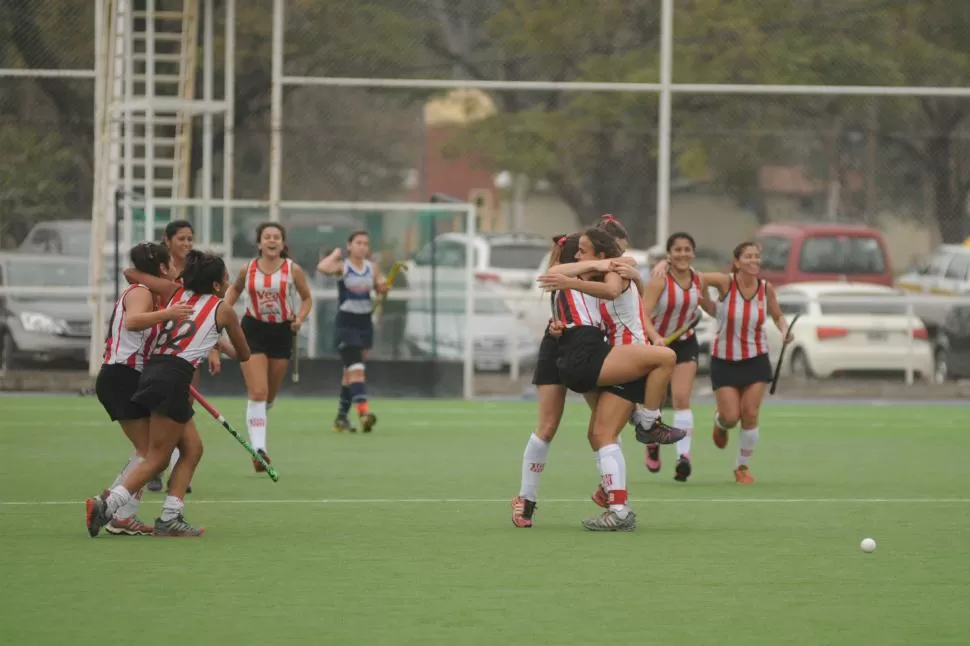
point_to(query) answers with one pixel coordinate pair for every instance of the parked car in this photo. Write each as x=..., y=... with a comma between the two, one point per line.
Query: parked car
x=952, y=352
x=438, y=327
x=946, y=272
x=43, y=328
x=850, y=327
x=792, y=253
x=508, y=260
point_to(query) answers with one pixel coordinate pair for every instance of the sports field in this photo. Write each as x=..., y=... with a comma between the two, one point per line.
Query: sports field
x=404, y=537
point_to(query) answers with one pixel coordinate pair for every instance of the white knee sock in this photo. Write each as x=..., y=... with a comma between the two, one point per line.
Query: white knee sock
x=612, y=467
x=171, y=508
x=533, y=463
x=746, y=444
x=256, y=420
x=133, y=461
x=684, y=420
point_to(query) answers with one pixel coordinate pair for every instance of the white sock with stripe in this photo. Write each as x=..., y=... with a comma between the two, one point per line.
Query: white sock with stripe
x=746, y=443
x=684, y=420
x=256, y=421
x=533, y=464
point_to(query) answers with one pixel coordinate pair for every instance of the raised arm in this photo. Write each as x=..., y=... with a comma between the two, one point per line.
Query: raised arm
x=774, y=310
x=236, y=289
x=720, y=282
x=306, y=298
x=608, y=290
x=141, y=314
x=163, y=287
x=228, y=321
x=332, y=265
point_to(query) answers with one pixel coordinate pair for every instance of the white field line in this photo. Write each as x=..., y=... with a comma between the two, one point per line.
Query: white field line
x=460, y=501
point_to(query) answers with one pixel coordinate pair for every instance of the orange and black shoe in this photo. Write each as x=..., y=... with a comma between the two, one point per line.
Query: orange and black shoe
x=257, y=464
x=742, y=475
x=600, y=497
x=720, y=436
x=522, y=512
x=130, y=526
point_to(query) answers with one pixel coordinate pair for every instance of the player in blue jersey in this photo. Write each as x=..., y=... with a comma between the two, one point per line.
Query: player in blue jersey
x=359, y=278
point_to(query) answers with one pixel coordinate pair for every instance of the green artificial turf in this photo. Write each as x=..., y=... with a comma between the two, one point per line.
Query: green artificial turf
x=404, y=536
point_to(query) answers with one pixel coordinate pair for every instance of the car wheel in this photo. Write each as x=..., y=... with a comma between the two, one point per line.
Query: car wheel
x=940, y=370
x=7, y=349
x=800, y=366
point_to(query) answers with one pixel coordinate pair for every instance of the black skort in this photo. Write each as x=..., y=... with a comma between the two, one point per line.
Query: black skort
x=354, y=331
x=275, y=340
x=582, y=351
x=115, y=386
x=687, y=350
x=740, y=374
x=632, y=391
x=164, y=388
x=546, y=372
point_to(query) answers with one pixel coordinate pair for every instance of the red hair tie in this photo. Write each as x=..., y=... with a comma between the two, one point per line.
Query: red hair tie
x=609, y=218
x=561, y=241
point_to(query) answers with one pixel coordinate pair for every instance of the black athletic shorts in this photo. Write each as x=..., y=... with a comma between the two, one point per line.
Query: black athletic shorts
x=582, y=351
x=275, y=340
x=632, y=391
x=546, y=372
x=115, y=386
x=738, y=374
x=687, y=350
x=164, y=388
x=354, y=331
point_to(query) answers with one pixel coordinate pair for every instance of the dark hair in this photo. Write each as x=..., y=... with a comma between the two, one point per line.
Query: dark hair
x=741, y=247
x=175, y=226
x=359, y=232
x=202, y=271
x=603, y=242
x=148, y=257
x=272, y=225
x=680, y=235
x=613, y=227
x=564, y=249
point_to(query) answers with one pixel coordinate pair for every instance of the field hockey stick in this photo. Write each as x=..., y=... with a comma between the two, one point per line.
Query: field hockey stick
x=681, y=331
x=781, y=357
x=270, y=471
x=391, y=277
x=295, y=375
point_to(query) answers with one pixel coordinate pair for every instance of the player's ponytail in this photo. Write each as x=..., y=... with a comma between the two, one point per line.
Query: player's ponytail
x=202, y=272
x=149, y=258
x=612, y=226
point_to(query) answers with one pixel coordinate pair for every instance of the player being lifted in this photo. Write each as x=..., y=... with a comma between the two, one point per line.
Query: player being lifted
x=269, y=323
x=359, y=278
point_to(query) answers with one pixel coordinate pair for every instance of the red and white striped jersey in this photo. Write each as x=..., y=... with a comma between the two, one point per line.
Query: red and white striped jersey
x=741, y=324
x=192, y=338
x=676, y=306
x=575, y=309
x=123, y=346
x=623, y=318
x=269, y=294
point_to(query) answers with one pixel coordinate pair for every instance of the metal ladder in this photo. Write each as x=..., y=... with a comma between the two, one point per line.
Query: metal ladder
x=154, y=59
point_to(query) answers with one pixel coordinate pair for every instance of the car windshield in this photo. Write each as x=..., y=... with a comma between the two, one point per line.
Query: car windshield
x=77, y=244
x=33, y=273
x=517, y=256
x=841, y=255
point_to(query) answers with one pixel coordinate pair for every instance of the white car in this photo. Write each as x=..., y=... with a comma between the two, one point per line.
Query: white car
x=850, y=327
x=504, y=259
x=496, y=327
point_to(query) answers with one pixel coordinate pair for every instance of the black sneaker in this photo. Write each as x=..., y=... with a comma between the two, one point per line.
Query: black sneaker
x=682, y=470
x=659, y=433
x=368, y=422
x=343, y=424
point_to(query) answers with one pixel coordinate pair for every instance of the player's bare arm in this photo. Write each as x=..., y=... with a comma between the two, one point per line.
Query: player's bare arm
x=236, y=289
x=333, y=264
x=609, y=289
x=306, y=298
x=774, y=310
x=228, y=321
x=162, y=287
x=142, y=315
x=651, y=296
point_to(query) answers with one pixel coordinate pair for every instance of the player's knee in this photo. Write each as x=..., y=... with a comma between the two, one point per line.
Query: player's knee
x=258, y=393
x=355, y=372
x=727, y=419
x=749, y=416
x=681, y=398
